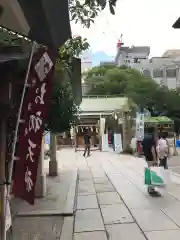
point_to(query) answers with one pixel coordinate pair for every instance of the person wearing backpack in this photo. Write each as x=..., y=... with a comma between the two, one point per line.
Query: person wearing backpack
x=163, y=151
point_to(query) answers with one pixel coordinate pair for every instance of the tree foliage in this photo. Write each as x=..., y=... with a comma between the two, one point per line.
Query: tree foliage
x=144, y=91
x=63, y=109
x=86, y=11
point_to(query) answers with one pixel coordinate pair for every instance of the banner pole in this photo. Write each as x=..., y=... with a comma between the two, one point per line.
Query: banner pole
x=11, y=164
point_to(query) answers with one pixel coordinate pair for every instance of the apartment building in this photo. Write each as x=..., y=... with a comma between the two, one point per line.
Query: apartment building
x=86, y=64
x=164, y=70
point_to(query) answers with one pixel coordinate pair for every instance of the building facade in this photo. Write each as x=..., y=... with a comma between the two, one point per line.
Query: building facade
x=132, y=55
x=164, y=70
x=86, y=65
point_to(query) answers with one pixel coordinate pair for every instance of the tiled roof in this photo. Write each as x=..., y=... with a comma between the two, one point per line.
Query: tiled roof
x=159, y=120
x=104, y=104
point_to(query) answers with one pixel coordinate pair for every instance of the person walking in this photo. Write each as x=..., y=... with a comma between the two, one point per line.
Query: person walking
x=150, y=153
x=163, y=151
x=87, y=143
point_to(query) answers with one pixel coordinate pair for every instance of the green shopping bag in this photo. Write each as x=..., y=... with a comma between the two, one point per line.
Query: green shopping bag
x=154, y=176
x=157, y=176
x=147, y=176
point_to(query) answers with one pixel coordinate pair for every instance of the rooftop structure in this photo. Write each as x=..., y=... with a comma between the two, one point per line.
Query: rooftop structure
x=103, y=105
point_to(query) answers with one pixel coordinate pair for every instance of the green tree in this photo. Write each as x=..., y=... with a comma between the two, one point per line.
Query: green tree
x=144, y=91
x=86, y=11
x=63, y=109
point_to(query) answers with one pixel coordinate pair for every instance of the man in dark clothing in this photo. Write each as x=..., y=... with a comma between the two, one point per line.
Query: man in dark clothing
x=149, y=146
x=112, y=141
x=150, y=154
x=87, y=138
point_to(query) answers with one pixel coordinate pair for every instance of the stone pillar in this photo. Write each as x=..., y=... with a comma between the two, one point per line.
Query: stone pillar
x=40, y=189
x=53, y=164
x=177, y=76
x=165, y=76
x=126, y=133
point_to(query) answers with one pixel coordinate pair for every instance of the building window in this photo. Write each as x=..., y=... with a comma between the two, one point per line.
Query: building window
x=147, y=72
x=171, y=73
x=157, y=73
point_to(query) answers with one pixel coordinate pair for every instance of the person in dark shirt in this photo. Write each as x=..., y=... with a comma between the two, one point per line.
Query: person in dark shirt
x=149, y=150
x=111, y=139
x=87, y=144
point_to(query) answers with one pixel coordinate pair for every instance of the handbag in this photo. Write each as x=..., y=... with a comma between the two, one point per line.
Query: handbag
x=156, y=176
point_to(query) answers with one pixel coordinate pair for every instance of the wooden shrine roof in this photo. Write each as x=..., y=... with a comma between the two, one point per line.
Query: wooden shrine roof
x=92, y=105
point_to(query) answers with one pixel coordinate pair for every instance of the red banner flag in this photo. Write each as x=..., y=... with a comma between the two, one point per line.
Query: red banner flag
x=34, y=113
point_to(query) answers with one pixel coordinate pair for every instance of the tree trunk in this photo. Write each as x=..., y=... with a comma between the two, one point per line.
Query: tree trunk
x=40, y=189
x=126, y=132
x=53, y=165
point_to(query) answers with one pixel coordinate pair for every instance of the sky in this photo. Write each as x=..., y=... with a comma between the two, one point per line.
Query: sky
x=142, y=22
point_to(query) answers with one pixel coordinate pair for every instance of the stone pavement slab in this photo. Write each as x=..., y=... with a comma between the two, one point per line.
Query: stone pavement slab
x=116, y=213
x=37, y=228
x=85, y=202
x=134, y=198
x=67, y=229
x=100, y=179
x=88, y=220
x=101, y=235
x=163, y=235
x=108, y=198
x=173, y=213
x=124, y=232
x=104, y=187
x=71, y=196
x=153, y=220
x=84, y=175
x=97, y=172
x=86, y=187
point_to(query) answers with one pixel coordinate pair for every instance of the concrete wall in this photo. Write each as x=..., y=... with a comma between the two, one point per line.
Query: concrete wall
x=159, y=64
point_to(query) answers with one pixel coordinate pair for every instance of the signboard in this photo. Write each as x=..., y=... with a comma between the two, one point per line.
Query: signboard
x=47, y=138
x=139, y=126
x=34, y=113
x=118, y=143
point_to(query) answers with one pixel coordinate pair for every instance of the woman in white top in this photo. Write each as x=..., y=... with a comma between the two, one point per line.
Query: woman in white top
x=163, y=151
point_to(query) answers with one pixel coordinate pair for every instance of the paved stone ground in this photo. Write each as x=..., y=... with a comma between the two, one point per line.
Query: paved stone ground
x=112, y=203
x=174, y=163
x=44, y=220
